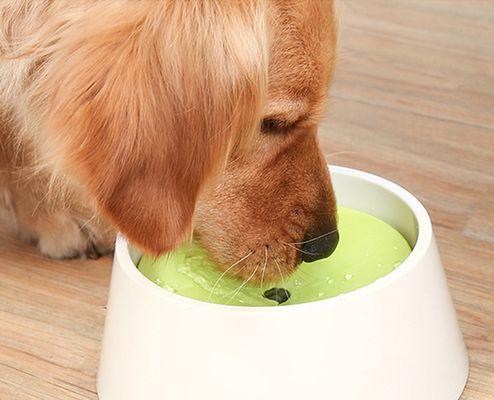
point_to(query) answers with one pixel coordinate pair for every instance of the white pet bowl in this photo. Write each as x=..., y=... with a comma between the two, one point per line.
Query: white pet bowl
x=396, y=339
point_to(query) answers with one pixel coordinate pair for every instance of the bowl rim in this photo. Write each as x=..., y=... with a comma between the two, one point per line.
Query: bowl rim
x=424, y=238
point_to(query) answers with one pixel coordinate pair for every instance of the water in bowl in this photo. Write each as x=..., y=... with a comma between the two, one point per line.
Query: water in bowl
x=368, y=250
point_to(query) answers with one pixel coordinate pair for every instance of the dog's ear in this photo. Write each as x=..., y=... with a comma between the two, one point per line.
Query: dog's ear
x=142, y=103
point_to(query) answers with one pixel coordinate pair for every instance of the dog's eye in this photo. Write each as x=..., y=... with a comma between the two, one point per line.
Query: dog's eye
x=271, y=125
x=279, y=125
x=276, y=125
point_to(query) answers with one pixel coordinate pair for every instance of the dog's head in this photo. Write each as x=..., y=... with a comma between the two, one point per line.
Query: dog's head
x=204, y=114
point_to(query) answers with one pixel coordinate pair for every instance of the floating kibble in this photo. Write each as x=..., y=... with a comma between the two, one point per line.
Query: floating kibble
x=280, y=295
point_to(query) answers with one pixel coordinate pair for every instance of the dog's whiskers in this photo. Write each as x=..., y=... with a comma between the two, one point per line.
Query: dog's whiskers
x=338, y=153
x=299, y=250
x=226, y=271
x=264, y=266
x=316, y=238
x=281, y=274
x=243, y=284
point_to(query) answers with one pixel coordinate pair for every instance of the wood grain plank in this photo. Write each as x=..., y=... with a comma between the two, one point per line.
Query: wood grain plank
x=411, y=58
x=412, y=101
x=51, y=320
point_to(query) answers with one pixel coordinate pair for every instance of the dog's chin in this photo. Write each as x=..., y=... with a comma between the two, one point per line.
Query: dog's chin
x=264, y=261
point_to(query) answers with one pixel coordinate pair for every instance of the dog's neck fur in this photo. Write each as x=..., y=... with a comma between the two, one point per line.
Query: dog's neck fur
x=36, y=202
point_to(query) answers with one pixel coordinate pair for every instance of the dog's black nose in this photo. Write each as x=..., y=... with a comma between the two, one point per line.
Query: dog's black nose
x=321, y=246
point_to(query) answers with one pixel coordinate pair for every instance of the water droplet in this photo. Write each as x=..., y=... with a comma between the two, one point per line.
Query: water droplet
x=348, y=277
x=320, y=294
x=379, y=265
x=367, y=254
x=297, y=282
x=169, y=288
x=395, y=248
x=396, y=264
x=159, y=281
x=329, y=280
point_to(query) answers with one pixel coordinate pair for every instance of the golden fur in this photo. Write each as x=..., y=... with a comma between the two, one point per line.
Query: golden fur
x=145, y=116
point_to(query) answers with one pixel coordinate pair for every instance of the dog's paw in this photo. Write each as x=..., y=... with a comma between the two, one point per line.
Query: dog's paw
x=68, y=230
x=63, y=237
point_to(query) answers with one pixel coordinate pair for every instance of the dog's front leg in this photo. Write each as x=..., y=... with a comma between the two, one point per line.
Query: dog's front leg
x=54, y=220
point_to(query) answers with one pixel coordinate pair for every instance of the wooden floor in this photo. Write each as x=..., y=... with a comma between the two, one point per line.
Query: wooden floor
x=413, y=101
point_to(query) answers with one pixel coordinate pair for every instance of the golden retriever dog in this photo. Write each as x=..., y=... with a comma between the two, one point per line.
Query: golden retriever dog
x=164, y=119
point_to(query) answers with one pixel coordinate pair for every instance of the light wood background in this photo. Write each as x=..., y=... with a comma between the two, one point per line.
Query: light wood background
x=413, y=101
